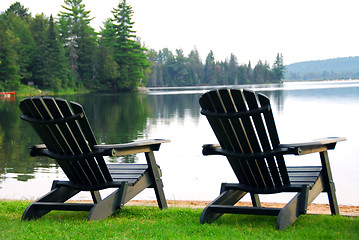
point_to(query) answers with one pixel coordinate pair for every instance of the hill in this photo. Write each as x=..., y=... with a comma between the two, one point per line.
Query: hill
x=336, y=68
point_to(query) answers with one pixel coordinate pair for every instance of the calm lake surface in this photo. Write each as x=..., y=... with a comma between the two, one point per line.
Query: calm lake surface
x=303, y=111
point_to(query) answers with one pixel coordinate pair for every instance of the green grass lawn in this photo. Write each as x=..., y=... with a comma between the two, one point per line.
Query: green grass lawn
x=141, y=222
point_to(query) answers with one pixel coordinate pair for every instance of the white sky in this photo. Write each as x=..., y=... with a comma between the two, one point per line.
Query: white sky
x=301, y=30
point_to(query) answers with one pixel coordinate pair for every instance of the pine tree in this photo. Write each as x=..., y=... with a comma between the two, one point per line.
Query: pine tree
x=278, y=68
x=232, y=70
x=129, y=54
x=243, y=74
x=80, y=39
x=50, y=68
x=58, y=71
x=107, y=67
x=195, y=66
x=168, y=59
x=209, y=68
x=18, y=10
x=39, y=77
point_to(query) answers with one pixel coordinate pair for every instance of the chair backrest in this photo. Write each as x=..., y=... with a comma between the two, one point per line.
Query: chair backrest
x=243, y=123
x=64, y=129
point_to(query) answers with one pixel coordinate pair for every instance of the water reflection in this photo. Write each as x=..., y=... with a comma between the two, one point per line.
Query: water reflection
x=169, y=106
x=13, y=137
x=321, y=109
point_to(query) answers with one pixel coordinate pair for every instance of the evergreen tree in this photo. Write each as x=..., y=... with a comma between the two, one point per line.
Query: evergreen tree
x=167, y=58
x=209, y=69
x=87, y=63
x=80, y=39
x=195, y=66
x=18, y=10
x=232, y=70
x=259, y=73
x=50, y=69
x=39, y=26
x=129, y=54
x=243, y=74
x=108, y=69
x=278, y=68
x=58, y=71
x=180, y=69
x=220, y=76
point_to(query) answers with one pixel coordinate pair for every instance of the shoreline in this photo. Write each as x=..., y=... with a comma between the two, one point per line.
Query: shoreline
x=344, y=210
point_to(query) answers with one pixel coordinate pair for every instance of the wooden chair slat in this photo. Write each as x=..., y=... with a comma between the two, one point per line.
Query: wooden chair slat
x=304, y=169
x=48, y=134
x=242, y=171
x=91, y=170
x=243, y=127
x=81, y=168
x=28, y=108
x=91, y=140
x=256, y=167
x=63, y=146
x=273, y=134
x=271, y=178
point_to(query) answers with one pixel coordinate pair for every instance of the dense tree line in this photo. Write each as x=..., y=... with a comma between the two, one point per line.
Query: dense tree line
x=170, y=69
x=65, y=52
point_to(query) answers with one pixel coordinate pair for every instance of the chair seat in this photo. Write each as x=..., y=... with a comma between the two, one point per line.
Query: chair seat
x=299, y=177
x=306, y=175
x=130, y=173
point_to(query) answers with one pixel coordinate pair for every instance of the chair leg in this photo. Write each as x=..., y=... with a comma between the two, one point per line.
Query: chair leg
x=298, y=205
x=96, y=197
x=289, y=214
x=329, y=183
x=158, y=184
x=228, y=197
x=56, y=195
x=109, y=205
x=255, y=200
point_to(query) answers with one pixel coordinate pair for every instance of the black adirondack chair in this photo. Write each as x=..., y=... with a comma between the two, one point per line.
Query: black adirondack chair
x=68, y=138
x=244, y=126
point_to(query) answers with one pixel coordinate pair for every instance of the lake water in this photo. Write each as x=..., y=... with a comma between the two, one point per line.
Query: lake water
x=303, y=111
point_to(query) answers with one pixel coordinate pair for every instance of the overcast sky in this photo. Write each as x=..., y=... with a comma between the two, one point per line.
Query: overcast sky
x=301, y=30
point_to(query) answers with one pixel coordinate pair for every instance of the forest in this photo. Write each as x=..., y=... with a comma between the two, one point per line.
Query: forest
x=64, y=52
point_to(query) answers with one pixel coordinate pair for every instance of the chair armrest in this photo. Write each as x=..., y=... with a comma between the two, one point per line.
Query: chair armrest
x=39, y=146
x=140, y=146
x=211, y=149
x=36, y=150
x=318, y=145
x=216, y=149
x=113, y=150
